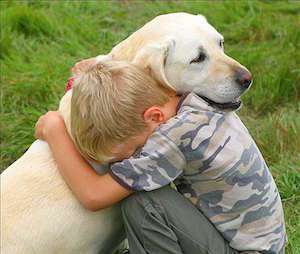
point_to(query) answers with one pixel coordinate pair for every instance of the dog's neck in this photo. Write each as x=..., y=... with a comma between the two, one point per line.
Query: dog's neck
x=65, y=110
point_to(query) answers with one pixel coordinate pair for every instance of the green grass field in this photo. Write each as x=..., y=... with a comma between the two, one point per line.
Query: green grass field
x=40, y=41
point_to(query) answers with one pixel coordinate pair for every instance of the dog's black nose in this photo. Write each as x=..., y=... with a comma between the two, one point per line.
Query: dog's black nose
x=243, y=78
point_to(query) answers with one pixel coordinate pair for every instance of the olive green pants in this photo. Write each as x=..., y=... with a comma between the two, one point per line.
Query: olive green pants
x=163, y=221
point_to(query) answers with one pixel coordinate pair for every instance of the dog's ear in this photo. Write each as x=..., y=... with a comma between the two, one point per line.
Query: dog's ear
x=152, y=58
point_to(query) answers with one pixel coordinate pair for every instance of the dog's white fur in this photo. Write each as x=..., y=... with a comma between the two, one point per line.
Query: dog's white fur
x=166, y=46
x=39, y=214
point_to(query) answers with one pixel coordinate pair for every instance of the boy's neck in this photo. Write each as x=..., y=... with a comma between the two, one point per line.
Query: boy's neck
x=170, y=108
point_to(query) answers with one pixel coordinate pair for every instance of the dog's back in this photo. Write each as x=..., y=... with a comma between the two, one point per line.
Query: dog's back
x=39, y=214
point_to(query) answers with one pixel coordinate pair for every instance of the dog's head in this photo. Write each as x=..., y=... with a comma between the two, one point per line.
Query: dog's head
x=184, y=52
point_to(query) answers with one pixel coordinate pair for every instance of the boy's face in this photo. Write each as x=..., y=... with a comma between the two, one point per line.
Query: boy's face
x=153, y=117
x=127, y=149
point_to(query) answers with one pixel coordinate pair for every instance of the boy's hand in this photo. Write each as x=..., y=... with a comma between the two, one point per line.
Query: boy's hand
x=83, y=65
x=92, y=190
x=49, y=123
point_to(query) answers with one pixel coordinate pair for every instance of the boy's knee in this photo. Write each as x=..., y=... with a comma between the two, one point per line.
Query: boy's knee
x=129, y=203
x=140, y=200
x=134, y=208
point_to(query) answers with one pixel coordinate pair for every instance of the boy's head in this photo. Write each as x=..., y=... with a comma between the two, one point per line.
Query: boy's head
x=115, y=106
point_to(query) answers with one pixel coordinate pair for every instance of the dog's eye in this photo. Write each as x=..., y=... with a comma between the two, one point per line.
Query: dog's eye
x=221, y=44
x=199, y=58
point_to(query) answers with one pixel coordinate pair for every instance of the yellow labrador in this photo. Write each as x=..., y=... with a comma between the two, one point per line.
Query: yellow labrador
x=39, y=214
x=186, y=53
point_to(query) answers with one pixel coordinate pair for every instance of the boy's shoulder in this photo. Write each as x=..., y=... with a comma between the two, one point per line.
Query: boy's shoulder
x=192, y=114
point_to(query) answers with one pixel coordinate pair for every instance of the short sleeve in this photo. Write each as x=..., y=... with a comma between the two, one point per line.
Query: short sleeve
x=158, y=164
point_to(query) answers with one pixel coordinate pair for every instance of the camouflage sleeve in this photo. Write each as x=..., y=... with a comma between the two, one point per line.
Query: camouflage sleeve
x=158, y=164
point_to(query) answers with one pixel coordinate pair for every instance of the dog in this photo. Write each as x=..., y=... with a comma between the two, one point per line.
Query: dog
x=39, y=214
x=184, y=52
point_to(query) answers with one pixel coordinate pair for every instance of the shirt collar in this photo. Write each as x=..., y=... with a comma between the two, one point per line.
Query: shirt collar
x=181, y=100
x=190, y=99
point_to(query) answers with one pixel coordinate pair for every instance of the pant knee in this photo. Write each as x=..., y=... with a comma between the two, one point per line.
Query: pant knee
x=138, y=202
x=143, y=198
x=129, y=203
x=134, y=209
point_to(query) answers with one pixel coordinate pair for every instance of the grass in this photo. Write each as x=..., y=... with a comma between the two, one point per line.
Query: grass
x=41, y=40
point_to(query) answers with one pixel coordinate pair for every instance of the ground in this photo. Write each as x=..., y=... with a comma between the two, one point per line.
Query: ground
x=41, y=40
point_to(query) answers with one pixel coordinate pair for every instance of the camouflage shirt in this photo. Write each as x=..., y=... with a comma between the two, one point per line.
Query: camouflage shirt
x=214, y=162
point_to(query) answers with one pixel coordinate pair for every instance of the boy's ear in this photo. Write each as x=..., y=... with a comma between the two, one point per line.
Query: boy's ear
x=153, y=115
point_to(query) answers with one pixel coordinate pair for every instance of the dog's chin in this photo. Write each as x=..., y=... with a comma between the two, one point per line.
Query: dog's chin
x=227, y=106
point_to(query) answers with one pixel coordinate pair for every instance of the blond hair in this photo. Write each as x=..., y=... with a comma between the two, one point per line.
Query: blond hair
x=107, y=105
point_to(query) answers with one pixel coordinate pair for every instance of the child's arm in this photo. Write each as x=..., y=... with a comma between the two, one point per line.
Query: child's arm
x=93, y=191
x=159, y=163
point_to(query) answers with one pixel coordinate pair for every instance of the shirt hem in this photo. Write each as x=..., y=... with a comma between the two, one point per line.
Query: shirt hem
x=119, y=181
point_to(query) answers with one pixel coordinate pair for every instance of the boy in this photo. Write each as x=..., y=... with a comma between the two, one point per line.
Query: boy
x=209, y=153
